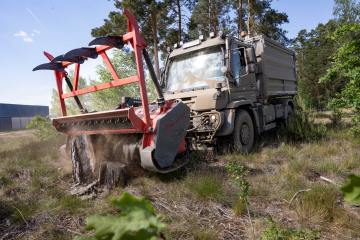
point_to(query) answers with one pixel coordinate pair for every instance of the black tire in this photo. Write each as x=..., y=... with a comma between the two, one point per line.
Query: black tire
x=244, y=133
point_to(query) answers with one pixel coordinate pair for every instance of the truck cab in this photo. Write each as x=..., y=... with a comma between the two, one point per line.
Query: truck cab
x=234, y=87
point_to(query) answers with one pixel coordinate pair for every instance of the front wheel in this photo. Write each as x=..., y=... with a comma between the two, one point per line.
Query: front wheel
x=244, y=134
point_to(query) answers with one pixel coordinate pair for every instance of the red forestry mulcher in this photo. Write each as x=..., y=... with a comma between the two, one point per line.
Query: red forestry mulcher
x=110, y=146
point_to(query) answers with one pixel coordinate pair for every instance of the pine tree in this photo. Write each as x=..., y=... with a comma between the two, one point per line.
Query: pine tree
x=151, y=15
x=178, y=10
x=267, y=21
x=313, y=51
x=347, y=11
x=208, y=16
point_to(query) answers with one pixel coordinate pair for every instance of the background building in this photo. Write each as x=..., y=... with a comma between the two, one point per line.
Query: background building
x=15, y=116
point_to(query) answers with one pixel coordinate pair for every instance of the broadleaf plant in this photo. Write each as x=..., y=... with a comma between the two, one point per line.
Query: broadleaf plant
x=136, y=220
x=351, y=190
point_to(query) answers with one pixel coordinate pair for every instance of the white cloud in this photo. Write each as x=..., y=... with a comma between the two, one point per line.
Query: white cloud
x=24, y=35
x=35, y=32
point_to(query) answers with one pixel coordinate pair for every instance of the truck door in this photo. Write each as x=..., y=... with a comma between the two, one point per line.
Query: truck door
x=243, y=81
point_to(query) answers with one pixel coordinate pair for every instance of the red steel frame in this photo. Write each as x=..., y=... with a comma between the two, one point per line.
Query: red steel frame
x=138, y=44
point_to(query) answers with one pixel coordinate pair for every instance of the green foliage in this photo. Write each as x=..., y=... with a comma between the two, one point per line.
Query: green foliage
x=207, y=14
x=351, y=190
x=110, y=98
x=313, y=50
x=346, y=66
x=269, y=20
x=45, y=129
x=152, y=17
x=136, y=220
x=301, y=127
x=177, y=21
x=216, y=16
x=276, y=232
x=237, y=174
x=125, y=65
x=326, y=59
x=70, y=103
x=347, y=11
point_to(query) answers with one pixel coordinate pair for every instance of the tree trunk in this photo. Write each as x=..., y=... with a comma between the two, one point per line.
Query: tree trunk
x=213, y=17
x=240, y=23
x=251, y=17
x=179, y=20
x=155, y=43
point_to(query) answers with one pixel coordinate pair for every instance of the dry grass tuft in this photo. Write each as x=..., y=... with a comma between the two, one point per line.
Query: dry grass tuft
x=317, y=206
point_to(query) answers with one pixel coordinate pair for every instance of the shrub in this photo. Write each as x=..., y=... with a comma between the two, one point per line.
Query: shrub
x=275, y=232
x=44, y=128
x=351, y=190
x=237, y=174
x=301, y=126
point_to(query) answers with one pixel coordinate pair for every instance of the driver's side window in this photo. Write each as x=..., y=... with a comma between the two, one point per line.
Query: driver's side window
x=238, y=63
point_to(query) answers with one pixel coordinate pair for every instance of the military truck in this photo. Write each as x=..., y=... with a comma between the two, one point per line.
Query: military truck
x=212, y=91
x=236, y=88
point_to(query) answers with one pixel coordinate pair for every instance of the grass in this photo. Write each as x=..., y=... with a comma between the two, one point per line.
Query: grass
x=33, y=192
x=276, y=232
x=198, y=202
x=206, y=185
x=205, y=234
x=318, y=205
x=293, y=166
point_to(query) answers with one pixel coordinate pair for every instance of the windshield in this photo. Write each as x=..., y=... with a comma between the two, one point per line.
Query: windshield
x=199, y=69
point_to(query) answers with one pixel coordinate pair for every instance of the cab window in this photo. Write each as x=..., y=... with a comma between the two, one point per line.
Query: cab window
x=238, y=63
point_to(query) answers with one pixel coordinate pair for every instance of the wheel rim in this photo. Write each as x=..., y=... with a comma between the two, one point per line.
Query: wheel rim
x=245, y=134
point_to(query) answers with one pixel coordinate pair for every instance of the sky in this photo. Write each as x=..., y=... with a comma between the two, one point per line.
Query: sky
x=28, y=27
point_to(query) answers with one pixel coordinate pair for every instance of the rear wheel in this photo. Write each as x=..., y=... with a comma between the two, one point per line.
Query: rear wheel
x=244, y=134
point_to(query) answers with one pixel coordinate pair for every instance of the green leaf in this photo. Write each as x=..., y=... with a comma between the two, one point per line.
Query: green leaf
x=351, y=190
x=137, y=220
x=127, y=202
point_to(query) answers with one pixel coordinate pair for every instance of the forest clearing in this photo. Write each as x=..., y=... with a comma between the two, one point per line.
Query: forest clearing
x=180, y=119
x=293, y=191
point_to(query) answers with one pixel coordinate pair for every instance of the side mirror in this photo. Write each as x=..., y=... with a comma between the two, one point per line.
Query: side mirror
x=251, y=56
x=252, y=68
x=251, y=59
